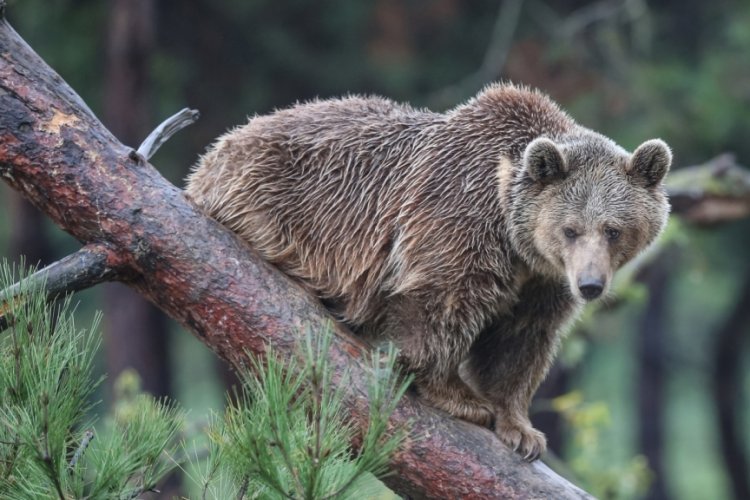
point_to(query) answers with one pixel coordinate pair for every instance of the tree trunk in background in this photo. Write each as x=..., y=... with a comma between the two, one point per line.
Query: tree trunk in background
x=27, y=235
x=135, y=330
x=548, y=421
x=651, y=377
x=728, y=393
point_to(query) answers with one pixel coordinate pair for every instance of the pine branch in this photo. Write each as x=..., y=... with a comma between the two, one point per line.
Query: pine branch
x=45, y=366
x=47, y=459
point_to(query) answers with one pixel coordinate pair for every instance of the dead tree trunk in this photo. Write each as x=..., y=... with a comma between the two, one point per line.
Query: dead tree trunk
x=728, y=392
x=651, y=382
x=135, y=331
x=143, y=232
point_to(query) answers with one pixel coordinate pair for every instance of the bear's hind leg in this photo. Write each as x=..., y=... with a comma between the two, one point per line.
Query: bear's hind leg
x=451, y=394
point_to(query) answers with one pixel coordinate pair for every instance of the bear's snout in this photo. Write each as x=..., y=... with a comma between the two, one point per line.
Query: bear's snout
x=590, y=288
x=588, y=267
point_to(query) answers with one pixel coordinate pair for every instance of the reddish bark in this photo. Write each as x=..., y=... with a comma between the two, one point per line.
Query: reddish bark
x=59, y=156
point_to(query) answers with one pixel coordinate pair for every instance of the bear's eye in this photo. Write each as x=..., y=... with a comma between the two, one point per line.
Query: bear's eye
x=612, y=233
x=570, y=233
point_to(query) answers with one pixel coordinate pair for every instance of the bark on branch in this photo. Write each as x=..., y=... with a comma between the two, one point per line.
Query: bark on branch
x=57, y=154
x=89, y=266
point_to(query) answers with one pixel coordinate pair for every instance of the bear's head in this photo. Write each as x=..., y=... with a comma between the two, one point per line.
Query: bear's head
x=583, y=207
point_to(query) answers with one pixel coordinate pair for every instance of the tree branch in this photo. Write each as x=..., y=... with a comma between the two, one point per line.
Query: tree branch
x=59, y=156
x=493, y=61
x=715, y=192
x=165, y=130
x=89, y=266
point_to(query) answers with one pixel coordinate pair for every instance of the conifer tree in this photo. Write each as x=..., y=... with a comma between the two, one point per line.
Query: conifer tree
x=49, y=447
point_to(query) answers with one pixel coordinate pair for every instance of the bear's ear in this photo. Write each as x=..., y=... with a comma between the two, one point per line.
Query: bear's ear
x=544, y=161
x=650, y=163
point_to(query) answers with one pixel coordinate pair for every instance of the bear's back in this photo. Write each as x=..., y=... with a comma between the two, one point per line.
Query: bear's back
x=361, y=198
x=316, y=188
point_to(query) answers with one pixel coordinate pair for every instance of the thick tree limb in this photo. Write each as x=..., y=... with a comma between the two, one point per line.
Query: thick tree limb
x=58, y=155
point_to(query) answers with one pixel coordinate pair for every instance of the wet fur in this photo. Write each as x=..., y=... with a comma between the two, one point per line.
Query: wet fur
x=429, y=230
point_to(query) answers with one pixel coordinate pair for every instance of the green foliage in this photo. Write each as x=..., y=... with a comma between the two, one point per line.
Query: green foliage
x=287, y=435
x=48, y=447
x=586, y=421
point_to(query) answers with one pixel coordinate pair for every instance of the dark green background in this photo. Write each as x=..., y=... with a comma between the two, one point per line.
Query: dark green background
x=679, y=70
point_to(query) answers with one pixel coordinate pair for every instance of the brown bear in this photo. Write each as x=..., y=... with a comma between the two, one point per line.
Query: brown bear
x=469, y=238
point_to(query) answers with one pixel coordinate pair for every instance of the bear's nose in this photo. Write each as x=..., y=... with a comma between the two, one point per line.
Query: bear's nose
x=590, y=288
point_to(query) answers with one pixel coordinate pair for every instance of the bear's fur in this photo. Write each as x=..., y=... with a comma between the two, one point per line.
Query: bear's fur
x=471, y=236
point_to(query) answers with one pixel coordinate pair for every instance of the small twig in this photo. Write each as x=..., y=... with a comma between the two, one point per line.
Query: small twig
x=317, y=426
x=243, y=488
x=494, y=58
x=287, y=459
x=209, y=476
x=138, y=491
x=49, y=462
x=581, y=18
x=87, y=437
x=165, y=130
x=15, y=445
x=78, y=271
x=270, y=479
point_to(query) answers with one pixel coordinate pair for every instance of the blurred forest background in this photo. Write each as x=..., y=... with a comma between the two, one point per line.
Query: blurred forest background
x=650, y=396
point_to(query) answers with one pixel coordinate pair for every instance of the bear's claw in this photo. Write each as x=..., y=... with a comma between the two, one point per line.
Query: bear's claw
x=523, y=439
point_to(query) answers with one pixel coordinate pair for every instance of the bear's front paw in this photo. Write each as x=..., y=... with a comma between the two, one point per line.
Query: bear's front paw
x=521, y=438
